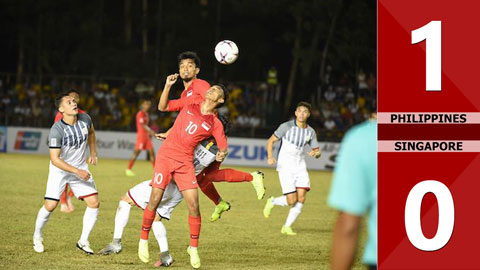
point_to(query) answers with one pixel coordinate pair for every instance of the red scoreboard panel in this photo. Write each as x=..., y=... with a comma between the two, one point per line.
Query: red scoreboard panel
x=428, y=134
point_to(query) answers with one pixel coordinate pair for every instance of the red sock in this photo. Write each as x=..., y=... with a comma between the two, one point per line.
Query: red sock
x=148, y=217
x=130, y=164
x=228, y=175
x=63, y=198
x=195, y=225
x=211, y=192
x=70, y=193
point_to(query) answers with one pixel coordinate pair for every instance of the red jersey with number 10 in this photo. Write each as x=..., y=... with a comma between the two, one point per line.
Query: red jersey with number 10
x=142, y=119
x=190, y=128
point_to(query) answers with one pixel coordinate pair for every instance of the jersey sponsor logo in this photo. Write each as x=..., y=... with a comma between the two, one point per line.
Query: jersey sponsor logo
x=158, y=178
x=189, y=93
x=27, y=140
x=206, y=126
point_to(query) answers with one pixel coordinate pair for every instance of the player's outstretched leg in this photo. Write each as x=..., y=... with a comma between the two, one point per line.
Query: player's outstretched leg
x=121, y=220
x=258, y=185
x=221, y=207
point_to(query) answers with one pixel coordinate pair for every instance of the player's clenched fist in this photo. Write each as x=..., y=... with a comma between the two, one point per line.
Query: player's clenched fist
x=271, y=161
x=85, y=175
x=171, y=79
x=221, y=156
x=315, y=153
x=93, y=160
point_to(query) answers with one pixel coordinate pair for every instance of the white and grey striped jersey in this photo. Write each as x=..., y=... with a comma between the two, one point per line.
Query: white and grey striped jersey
x=205, y=154
x=291, y=155
x=72, y=140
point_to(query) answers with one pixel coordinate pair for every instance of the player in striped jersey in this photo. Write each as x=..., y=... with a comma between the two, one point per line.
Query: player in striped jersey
x=68, y=141
x=291, y=166
x=66, y=204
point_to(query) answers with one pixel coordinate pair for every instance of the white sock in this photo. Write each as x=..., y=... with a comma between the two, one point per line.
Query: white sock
x=89, y=219
x=121, y=219
x=161, y=234
x=281, y=201
x=42, y=218
x=293, y=213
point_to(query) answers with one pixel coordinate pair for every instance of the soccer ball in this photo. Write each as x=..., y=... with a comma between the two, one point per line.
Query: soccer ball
x=226, y=52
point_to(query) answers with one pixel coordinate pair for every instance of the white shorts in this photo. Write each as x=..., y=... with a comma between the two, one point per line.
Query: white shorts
x=58, y=178
x=291, y=181
x=140, y=195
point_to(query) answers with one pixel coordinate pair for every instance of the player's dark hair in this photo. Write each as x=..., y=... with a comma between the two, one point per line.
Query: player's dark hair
x=226, y=94
x=225, y=122
x=305, y=104
x=189, y=55
x=60, y=97
x=71, y=90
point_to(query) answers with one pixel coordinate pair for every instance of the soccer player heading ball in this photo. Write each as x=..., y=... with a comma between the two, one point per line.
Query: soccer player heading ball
x=194, y=123
x=291, y=166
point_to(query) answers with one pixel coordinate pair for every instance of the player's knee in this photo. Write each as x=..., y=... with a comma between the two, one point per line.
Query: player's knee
x=50, y=205
x=193, y=208
x=94, y=204
x=292, y=200
x=301, y=199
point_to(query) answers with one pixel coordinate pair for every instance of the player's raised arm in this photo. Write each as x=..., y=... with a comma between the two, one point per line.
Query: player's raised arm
x=92, y=145
x=163, y=103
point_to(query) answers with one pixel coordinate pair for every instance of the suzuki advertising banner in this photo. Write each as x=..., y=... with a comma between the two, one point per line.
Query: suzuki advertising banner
x=120, y=145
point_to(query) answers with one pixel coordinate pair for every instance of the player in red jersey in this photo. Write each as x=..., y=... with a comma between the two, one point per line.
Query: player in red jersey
x=144, y=142
x=195, y=90
x=194, y=123
x=66, y=204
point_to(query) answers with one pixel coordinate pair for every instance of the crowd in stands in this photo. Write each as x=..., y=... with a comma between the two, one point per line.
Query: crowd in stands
x=254, y=108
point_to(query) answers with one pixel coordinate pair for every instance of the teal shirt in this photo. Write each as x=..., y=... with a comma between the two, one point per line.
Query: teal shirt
x=354, y=186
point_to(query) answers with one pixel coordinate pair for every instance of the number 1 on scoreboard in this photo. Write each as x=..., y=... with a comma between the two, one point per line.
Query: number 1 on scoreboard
x=432, y=33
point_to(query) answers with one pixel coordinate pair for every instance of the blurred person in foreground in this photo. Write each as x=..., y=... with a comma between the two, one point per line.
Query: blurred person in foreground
x=354, y=193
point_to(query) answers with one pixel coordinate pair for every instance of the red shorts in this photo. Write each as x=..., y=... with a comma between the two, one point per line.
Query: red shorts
x=143, y=143
x=182, y=172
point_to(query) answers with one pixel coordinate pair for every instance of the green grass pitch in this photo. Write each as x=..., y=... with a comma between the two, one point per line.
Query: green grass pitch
x=241, y=239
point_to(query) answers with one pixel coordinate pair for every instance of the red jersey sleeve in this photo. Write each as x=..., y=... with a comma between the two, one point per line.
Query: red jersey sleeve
x=177, y=104
x=219, y=135
x=58, y=117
